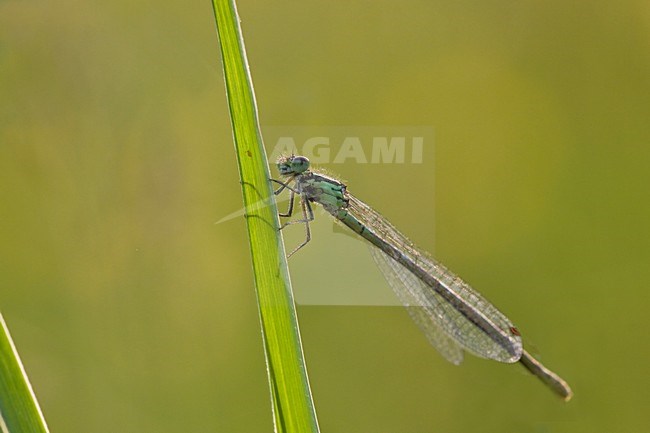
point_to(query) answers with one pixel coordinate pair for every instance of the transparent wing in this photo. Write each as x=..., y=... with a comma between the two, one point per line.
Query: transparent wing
x=403, y=284
x=500, y=342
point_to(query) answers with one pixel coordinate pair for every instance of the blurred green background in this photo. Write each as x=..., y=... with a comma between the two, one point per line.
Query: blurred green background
x=134, y=312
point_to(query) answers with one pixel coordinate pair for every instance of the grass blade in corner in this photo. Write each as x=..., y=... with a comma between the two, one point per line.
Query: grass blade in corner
x=292, y=404
x=19, y=410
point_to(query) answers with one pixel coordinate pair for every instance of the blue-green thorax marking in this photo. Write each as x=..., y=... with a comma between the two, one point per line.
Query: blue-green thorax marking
x=315, y=187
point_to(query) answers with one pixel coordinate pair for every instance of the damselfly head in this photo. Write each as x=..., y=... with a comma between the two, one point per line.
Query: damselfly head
x=294, y=164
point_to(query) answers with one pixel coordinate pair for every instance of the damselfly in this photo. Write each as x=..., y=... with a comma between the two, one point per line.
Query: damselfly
x=453, y=316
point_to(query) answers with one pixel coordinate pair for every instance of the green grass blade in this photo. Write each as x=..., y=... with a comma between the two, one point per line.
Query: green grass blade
x=19, y=410
x=293, y=408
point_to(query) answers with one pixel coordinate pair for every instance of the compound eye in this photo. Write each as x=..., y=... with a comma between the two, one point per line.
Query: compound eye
x=299, y=164
x=284, y=166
